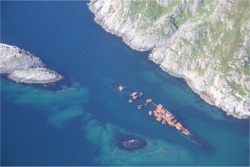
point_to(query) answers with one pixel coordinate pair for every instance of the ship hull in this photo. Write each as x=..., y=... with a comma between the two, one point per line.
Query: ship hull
x=151, y=106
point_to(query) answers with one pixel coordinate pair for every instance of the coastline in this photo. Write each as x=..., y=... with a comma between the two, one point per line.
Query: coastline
x=77, y=120
x=201, y=95
x=21, y=66
x=21, y=80
x=226, y=100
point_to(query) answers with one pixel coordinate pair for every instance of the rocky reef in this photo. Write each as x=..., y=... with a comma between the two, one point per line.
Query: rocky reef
x=130, y=143
x=205, y=42
x=22, y=66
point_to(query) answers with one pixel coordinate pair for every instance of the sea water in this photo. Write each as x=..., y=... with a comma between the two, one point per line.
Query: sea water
x=77, y=125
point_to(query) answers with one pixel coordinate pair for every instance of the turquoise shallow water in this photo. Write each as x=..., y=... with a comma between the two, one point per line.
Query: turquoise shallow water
x=77, y=126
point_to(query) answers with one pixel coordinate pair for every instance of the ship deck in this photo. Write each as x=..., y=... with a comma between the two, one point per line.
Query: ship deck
x=158, y=111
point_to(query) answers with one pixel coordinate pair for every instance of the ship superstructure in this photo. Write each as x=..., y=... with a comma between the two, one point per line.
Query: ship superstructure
x=160, y=113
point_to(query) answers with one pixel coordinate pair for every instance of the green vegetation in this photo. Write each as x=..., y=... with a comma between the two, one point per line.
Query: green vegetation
x=237, y=89
x=219, y=45
x=150, y=8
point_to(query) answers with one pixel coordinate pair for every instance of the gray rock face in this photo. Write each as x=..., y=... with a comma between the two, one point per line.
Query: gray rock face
x=35, y=75
x=204, y=42
x=22, y=66
x=14, y=58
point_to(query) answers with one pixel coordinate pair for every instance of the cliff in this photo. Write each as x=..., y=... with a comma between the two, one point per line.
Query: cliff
x=22, y=66
x=205, y=42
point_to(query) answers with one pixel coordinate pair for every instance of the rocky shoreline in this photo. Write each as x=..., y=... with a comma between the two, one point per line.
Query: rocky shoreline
x=23, y=67
x=186, y=47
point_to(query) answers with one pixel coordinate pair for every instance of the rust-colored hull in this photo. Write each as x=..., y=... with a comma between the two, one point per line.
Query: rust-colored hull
x=161, y=114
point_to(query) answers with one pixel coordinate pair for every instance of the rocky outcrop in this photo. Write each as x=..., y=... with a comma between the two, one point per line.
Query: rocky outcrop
x=130, y=142
x=205, y=42
x=34, y=75
x=22, y=66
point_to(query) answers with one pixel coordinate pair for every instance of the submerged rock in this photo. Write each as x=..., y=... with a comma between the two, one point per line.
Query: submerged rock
x=130, y=143
x=22, y=66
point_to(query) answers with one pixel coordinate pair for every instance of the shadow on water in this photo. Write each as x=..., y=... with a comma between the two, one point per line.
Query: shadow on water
x=61, y=85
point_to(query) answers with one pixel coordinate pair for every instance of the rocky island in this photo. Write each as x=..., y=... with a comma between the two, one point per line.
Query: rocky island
x=22, y=66
x=205, y=42
x=130, y=143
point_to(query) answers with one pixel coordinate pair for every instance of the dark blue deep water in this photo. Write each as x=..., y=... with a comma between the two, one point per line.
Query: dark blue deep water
x=77, y=125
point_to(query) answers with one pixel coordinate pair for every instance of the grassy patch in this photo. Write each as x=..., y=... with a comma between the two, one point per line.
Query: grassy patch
x=150, y=8
x=237, y=88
